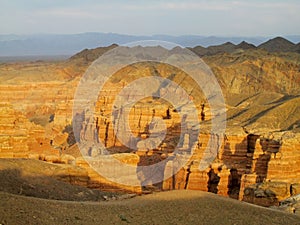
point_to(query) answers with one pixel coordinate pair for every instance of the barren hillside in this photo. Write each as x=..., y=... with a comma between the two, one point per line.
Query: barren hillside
x=260, y=144
x=175, y=207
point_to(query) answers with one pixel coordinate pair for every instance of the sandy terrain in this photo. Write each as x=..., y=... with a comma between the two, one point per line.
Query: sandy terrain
x=174, y=207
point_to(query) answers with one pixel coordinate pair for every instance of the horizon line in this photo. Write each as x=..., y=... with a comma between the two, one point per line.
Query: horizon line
x=157, y=34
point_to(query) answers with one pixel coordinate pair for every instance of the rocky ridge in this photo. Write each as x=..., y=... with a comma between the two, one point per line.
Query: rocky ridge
x=260, y=150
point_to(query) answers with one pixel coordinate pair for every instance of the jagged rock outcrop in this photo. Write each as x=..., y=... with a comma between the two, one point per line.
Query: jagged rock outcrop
x=261, y=142
x=266, y=193
x=17, y=133
x=97, y=178
x=291, y=205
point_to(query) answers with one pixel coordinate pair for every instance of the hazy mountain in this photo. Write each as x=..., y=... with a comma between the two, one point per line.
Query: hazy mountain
x=244, y=45
x=227, y=47
x=212, y=50
x=89, y=55
x=278, y=44
x=69, y=44
x=297, y=47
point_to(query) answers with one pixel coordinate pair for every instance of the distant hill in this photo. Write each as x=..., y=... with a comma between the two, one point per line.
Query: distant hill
x=227, y=47
x=274, y=45
x=278, y=44
x=69, y=44
x=297, y=48
x=89, y=55
x=244, y=45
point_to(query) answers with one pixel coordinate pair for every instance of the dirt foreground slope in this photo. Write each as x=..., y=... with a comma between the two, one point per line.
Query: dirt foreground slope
x=174, y=207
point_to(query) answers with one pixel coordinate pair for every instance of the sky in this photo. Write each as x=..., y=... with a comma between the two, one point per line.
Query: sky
x=142, y=17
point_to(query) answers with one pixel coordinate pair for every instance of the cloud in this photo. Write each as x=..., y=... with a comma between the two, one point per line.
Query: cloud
x=65, y=13
x=204, y=5
x=267, y=4
x=177, y=5
x=206, y=17
x=210, y=5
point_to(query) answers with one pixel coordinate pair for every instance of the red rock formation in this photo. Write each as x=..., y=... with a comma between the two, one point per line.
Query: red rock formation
x=37, y=123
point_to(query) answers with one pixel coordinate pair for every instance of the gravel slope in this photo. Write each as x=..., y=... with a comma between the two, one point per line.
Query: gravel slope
x=174, y=207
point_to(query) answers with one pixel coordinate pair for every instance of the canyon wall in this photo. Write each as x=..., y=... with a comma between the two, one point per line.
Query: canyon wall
x=258, y=160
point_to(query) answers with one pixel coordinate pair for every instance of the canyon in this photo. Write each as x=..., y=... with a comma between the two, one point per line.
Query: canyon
x=257, y=160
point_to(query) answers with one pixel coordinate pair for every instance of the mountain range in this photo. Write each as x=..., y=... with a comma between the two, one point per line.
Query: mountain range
x=69, y=44
x=275, y=45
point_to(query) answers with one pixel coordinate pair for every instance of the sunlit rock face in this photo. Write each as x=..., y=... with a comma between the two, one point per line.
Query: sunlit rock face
x=258, y=160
